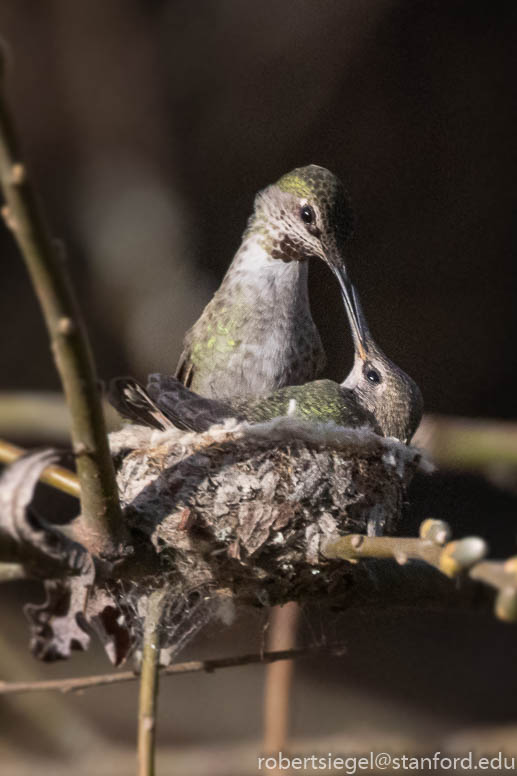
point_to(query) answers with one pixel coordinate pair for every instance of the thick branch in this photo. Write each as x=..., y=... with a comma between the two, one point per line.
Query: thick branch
x=189, y=667
x=103, y=528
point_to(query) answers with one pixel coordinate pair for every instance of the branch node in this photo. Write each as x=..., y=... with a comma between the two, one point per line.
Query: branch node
x=510, y=566
x=435, y=531
x=461, y=555
x=9, y=219
x=80, y=449
x=18, y=174
x=65, y=326
x=506, y=605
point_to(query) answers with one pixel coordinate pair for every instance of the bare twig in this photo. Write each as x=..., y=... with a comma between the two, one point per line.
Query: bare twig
x=451, y=558
x=189, y=667
x=10, y=572
x=149, y=681
x=502, y=576
x=278, y=677
x=61, y=729
x=101, y=516
x=56, y=476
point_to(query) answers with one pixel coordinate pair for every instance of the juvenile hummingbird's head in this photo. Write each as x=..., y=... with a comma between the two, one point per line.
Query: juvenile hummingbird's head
x=381, y=386
x=306, y=213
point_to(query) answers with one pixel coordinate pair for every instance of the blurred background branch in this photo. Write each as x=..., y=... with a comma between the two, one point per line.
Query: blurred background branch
x=41, y=417
x=468, y=443
x=282, y=633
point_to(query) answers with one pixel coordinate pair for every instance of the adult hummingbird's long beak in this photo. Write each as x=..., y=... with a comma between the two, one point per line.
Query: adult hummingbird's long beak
x=353, y=310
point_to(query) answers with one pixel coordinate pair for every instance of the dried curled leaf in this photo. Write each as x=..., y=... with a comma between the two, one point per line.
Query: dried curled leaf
x=59, y=624
x=108, y=618
x=17, y=485
x=42, y=546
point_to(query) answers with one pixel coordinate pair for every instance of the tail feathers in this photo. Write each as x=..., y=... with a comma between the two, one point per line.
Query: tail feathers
x=185, y=408
x=166, y=403
x=133, y=402
x=184, y=370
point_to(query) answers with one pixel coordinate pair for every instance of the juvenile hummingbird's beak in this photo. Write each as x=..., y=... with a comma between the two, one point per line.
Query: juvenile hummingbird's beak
x=353, y=311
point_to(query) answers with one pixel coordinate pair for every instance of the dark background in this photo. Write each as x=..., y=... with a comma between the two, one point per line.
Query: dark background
x=149, y=126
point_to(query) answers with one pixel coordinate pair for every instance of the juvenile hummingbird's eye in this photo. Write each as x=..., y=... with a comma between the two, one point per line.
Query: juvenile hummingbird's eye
x=307, y=214
x=372, y=375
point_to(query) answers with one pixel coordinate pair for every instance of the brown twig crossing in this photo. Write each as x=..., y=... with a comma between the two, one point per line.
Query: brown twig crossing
x=189, y=667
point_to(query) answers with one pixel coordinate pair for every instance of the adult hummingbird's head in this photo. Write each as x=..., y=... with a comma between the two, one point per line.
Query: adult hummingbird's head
x=380, y=385
x=306, y=213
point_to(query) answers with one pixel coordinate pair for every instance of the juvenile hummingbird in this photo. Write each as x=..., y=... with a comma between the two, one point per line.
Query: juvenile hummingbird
x=257, y=333
x=376, y=393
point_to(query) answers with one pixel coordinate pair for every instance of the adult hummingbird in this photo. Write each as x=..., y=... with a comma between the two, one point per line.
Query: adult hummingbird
x=257, y=333
x=376, y=393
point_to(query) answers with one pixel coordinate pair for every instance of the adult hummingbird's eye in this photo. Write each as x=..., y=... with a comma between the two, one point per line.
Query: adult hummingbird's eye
x=372, y=375
x=307, y=214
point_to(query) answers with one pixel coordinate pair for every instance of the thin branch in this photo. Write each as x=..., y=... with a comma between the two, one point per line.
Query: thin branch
x=189, y=667
x=56, y=476
x=11, y=572
x=149, y=681
x=432, y=547
x=465, y=556
x=63, y=730
x=101, y=515
x=502, y=576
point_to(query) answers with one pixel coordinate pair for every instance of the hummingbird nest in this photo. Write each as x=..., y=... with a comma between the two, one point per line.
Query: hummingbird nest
x=237, y=515
x=241, y=513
